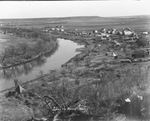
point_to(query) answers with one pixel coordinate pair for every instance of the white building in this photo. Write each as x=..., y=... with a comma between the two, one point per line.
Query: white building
x=53, y=29
x=127, y=32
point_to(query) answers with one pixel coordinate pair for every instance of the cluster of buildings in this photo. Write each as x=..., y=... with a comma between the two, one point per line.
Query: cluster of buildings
x=118, y=37
x=126, y=34
x=56, y=29
x=107, y=32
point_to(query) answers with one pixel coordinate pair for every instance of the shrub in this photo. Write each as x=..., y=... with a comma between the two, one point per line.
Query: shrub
x=142, y=41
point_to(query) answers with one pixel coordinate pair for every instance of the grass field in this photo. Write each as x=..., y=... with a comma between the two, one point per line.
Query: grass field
x=138, y=23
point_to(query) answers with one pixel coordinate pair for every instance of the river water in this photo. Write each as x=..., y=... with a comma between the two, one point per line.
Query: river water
x=66, y=50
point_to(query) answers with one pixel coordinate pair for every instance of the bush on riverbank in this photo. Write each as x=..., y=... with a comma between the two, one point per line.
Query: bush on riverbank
x=22, y=51
x=22, y=32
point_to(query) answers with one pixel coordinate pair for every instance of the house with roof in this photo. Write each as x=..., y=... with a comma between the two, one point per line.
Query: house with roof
x=127, y=32
x=103, y=30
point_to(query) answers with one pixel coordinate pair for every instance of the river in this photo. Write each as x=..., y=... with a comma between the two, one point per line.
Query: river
x=66, y=50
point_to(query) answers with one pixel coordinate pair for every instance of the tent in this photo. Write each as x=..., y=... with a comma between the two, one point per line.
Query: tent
x=19, y=89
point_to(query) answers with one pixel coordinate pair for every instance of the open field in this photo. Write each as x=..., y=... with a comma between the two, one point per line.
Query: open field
x=107, y=80
x=139, y=23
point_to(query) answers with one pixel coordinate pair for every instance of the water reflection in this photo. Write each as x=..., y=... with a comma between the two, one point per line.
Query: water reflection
x=65, y=50
x=27, y=67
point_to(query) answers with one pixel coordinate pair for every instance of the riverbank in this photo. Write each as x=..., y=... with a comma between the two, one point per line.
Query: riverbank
x=29, y=60
x=23, y=52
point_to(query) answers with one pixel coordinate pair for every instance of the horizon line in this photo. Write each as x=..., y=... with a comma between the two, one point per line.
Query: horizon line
x=75, y=17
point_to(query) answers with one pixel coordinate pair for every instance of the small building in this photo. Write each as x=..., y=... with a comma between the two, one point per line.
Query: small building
x=58, y=29
x=119, y=33
x=108, y=31
x=105, y=35
x=115, y=55
x=103, y=30
x=127, y=32
x=145, y=33
x=53, y=29
x=113, y=31
x=95, y=31
x=62, y=30
x=11, y=34
x=83, y=33
x=61, y=26
x=45, y=30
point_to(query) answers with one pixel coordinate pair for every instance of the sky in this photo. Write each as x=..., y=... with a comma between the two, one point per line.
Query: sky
x=38, y=9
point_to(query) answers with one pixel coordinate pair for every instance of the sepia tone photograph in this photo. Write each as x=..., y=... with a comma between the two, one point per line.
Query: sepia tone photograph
x=75, y=60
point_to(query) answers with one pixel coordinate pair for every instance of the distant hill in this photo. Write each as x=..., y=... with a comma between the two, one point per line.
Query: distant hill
x=28, y=20
x=76, y=18
x=84, y=22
